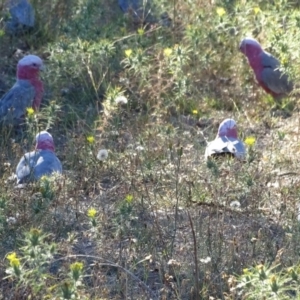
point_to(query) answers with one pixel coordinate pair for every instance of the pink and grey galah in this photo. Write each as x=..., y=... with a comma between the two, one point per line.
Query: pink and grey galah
x=266, y=69
x=226, y=142
x=27, y=91
x=22, y=17
x=42, y=161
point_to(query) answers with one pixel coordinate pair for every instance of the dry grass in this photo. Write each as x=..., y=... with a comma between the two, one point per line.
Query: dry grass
x=161, y=209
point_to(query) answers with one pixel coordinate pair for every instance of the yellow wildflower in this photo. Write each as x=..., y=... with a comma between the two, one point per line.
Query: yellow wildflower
x=129, y=198
x=221, y=11
x=76, y=266
x=30, y=111
x=13, y=259
x=274, y=285
x=260, y=267
x=250, y=141
x=44, y=178
x=34, y=236
x=92, y=213
x=283, y=60
x=256, y=10
x=194, y=112
x=167, y=52
x=141, y=31
x=128, y=52
x=90, y=139
x=76, y=269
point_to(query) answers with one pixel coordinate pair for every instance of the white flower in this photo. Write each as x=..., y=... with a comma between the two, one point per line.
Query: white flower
x=115, y=133
x=205, y=260
x=121, y=100
x=235, y=204
x=124, y=80
x=13, y=177
x=174, y=263
x=102, y=154
x=139, y=148
x=11, y=220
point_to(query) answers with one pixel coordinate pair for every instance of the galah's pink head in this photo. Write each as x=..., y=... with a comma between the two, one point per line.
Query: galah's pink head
x=44, y=141
x=250, y=47
x=29, y=67
x=228, y=128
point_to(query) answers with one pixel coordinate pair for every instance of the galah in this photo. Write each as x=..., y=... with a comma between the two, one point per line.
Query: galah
x=226, y=142
x=22, y=17
x=42, y=161
x=26, y=92
x=125, y=5
x=266, y=69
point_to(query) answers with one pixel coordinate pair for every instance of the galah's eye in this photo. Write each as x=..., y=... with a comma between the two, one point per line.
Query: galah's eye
x=34, y=64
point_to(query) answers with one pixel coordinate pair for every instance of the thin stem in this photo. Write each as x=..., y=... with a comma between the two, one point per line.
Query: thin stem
x=197, y=287
x=111, y=264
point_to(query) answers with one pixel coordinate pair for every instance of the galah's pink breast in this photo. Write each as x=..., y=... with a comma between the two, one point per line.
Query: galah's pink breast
x=257, y=67
x=39, y=92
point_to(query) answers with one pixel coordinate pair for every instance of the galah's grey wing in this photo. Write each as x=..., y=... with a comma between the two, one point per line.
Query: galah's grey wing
x=36, y=164
x=225, y=145
x=276, y=81
x=272, y=77
x=237, y=148
x=269, y=61
x=47, y=164
x=14, y=103
x=216, y=146
x=25, y=167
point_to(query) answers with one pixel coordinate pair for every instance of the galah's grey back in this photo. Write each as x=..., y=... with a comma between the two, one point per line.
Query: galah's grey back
x=226, y=142
x=272, y=76
x=42, y=161
x=14, y=103
x=35, y=164
x=223, y=145
x=125, y=5
x=22, y=16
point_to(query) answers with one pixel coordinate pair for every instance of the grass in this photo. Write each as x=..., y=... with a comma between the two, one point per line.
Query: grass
x=153, y=220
